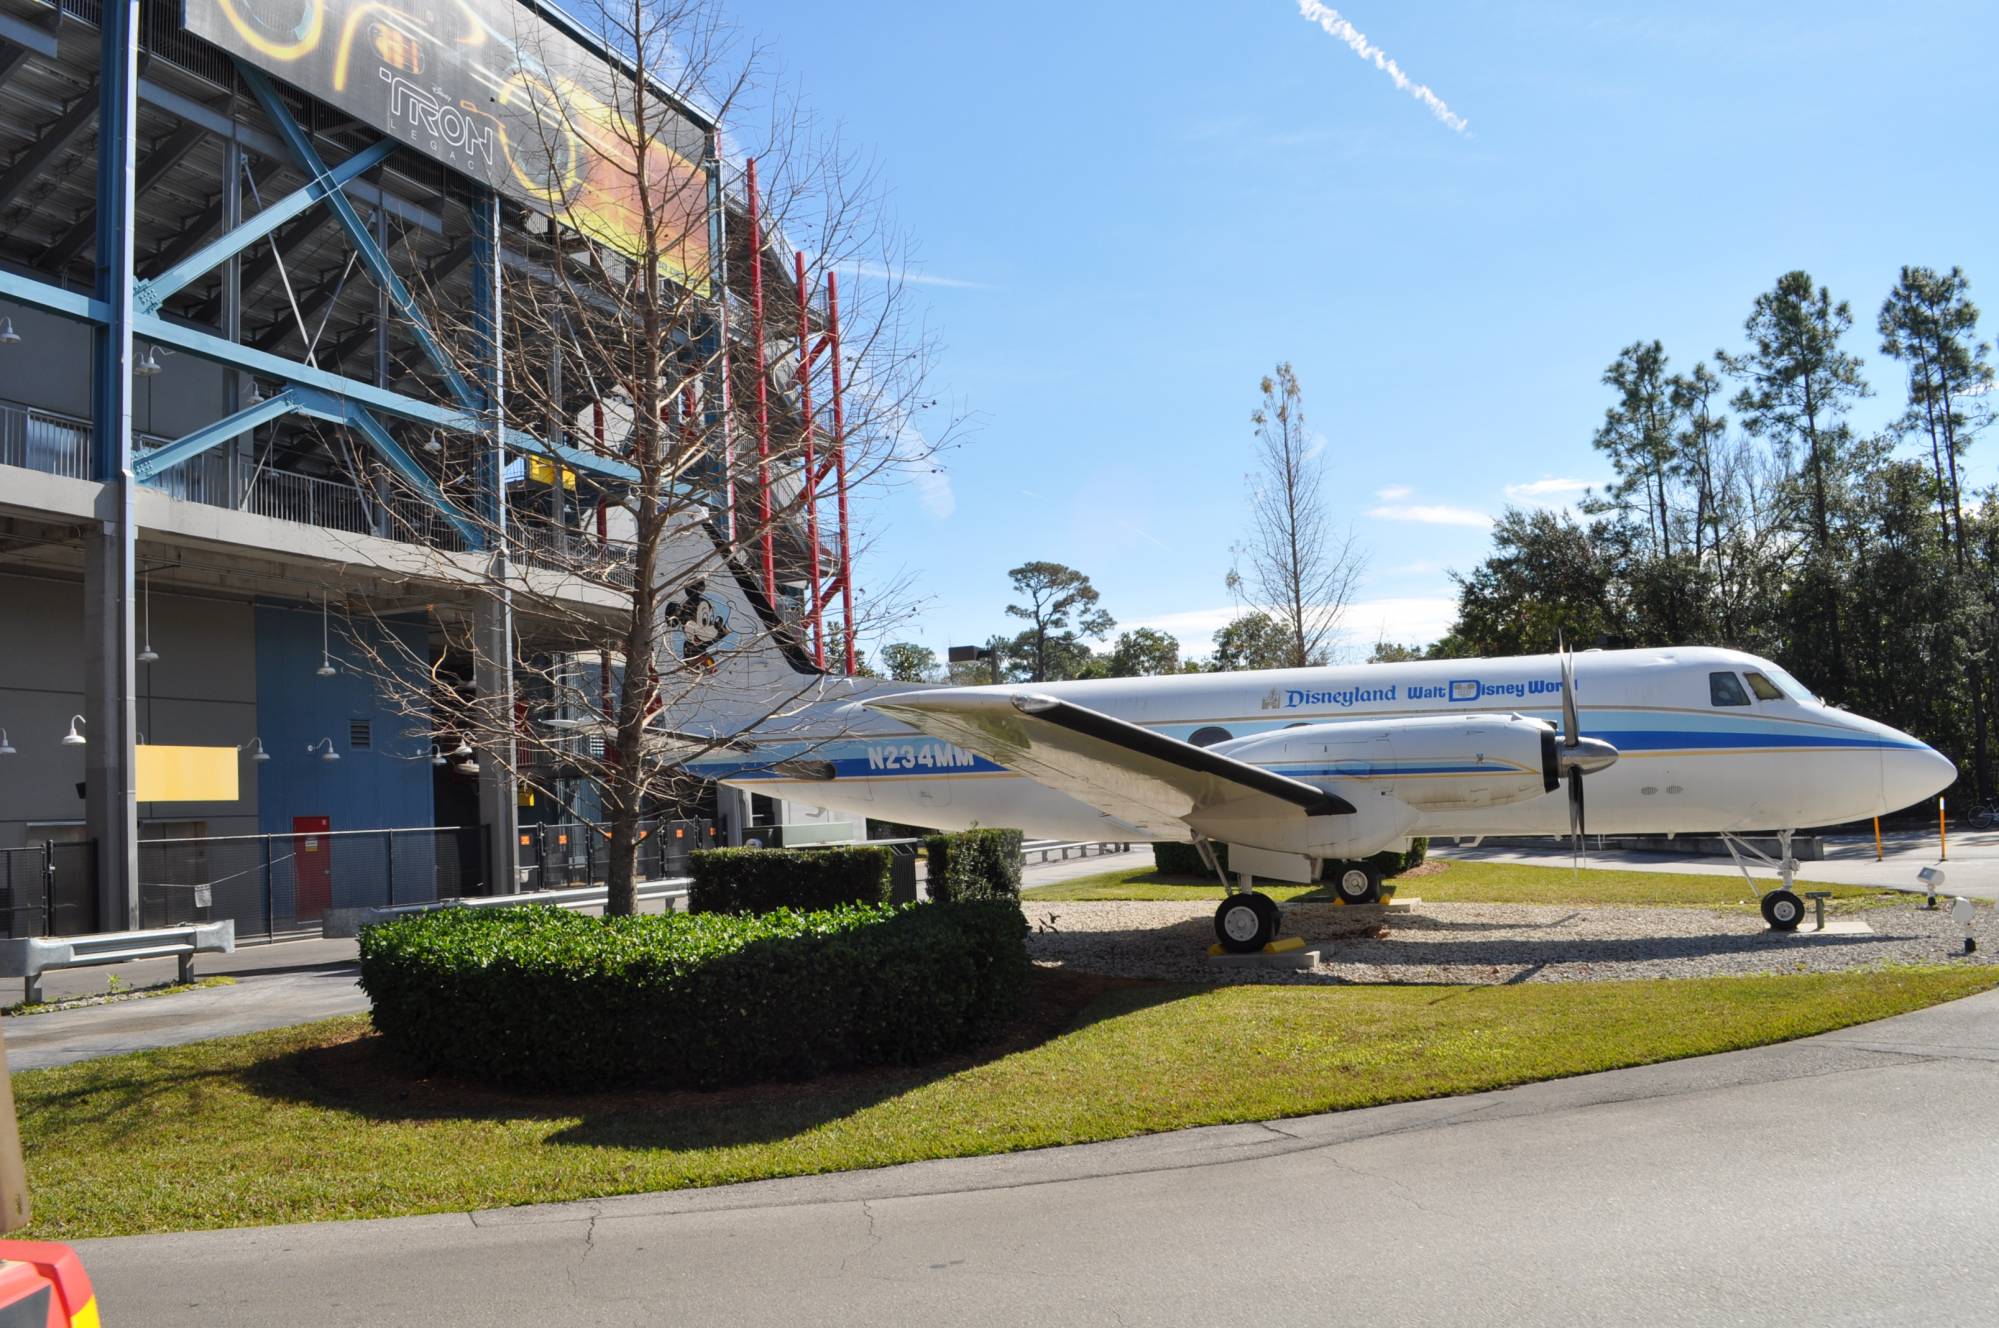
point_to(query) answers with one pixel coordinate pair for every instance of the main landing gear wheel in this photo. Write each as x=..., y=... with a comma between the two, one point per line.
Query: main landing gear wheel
x=1357, y=882
x=1245, y=924
x=1783, y=910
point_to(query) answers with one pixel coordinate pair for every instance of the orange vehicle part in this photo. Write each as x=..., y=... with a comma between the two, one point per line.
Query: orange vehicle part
x=43, y=1285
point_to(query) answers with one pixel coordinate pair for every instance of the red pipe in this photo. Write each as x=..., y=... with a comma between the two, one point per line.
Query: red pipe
x=763, y=390
x=840, y=466
x=811, y=480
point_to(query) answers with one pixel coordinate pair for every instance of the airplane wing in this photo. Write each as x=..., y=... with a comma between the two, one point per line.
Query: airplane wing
x=1124, y=770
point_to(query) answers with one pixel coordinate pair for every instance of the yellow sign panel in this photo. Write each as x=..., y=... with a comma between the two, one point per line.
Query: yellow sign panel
x=542, y=471
x=187, y=774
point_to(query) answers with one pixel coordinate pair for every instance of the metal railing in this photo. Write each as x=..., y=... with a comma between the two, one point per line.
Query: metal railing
x=555, y=856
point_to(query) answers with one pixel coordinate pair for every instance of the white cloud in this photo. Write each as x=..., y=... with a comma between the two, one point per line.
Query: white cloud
x=906, y=276
x=1548, y=487
x=1334, y=25
x=1393, y=493
x=1430, y=514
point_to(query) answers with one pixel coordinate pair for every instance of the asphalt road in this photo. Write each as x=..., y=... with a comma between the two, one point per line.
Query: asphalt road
x=1845, y=1179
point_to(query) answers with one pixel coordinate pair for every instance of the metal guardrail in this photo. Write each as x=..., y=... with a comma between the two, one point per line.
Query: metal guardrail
x=673, y=888
x=30, y=957
x=1081, y=848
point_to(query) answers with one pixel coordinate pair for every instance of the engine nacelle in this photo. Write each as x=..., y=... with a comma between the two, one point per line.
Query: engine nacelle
x=1427, y=762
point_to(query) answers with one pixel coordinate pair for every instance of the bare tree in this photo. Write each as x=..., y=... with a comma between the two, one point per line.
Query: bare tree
x=1296, y=569
x=653, y=583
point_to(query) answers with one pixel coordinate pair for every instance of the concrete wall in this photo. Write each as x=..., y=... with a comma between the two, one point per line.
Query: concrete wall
x=228, y=672
x=387, y=784
x=201, y=692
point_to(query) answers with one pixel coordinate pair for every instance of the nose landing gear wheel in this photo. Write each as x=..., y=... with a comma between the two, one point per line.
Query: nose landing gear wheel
x=1783, y=910
x=1357, y=882
x=1245, y=924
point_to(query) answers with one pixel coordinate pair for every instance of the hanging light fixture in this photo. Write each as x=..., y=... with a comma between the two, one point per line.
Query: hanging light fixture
x=8, y=337
x=255, y=747
x=463, y=750
x=433, y=443
x=255, y=396
x=467, y=767
x=325, y=669
x=436, y=756
x=148, y=655
x=6, y=748
x=325, y=749
x=73, y=738
x=149, y=366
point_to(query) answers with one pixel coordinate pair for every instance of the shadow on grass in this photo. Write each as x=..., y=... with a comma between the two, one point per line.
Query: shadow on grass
x=363, y=1076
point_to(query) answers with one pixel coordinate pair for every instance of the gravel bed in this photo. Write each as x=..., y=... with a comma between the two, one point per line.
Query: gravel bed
x=1492, y=943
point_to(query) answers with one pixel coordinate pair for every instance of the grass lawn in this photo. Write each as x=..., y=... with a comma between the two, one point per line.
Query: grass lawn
x=318, y=1121
x=1450, y=882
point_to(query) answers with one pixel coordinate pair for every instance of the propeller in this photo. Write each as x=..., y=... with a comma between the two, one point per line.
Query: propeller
x=1577, y=756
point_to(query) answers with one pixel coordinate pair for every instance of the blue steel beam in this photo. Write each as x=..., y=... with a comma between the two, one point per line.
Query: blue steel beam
x=151, y=293
x=180, y=449
x=414, y=474
x=377, y=262
x=219, y=350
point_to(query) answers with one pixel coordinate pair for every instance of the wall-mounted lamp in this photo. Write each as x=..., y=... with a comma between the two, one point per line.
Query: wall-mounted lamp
x=436, y=757
x=8, y=336
x=467, y=767
x=255, y=747
x=6, y=748
x=325, y=749
x=73, y=738
x=433, y=443
x=325, y=669
x=148, y=655
x=255, y=396
x=463, y=750
x=149, y=366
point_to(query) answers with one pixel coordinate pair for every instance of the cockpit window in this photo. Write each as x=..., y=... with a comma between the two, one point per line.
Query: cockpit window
x=1725, y=689
x=1792, y=688
x=1765, y=689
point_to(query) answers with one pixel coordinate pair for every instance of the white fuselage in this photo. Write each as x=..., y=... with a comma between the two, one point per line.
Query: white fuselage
x=1688, y=761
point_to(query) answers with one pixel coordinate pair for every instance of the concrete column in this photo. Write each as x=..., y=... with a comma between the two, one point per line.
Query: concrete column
x=110, y=801
x=110, y=804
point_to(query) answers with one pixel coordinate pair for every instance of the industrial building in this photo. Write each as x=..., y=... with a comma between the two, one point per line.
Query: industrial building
x=234, y=457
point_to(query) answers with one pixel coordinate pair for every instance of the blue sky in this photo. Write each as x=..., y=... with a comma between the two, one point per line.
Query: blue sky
x=1127, y=214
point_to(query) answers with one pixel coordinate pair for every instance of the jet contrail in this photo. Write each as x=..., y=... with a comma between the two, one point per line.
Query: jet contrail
x=1336, y=26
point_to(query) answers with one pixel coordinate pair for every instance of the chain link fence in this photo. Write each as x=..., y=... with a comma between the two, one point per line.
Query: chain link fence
x=49, y=889
x=283, y=885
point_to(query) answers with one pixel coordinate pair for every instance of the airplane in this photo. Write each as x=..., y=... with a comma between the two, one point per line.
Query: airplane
x=1295, y=769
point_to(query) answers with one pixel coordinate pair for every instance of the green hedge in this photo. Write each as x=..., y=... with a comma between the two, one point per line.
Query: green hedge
x=1185, y=859
x=1176, y=859
x=974, y=864
x=757, y=880
x=544, y=998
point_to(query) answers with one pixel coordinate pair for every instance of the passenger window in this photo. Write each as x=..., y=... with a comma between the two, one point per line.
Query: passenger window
x=1724, y=689
x=1765, y=689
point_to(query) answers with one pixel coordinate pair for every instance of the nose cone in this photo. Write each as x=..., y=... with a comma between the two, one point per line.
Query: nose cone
x=1588, y=755
x=1913, y=774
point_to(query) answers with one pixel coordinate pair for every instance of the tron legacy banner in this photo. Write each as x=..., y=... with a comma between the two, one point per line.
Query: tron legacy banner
x=491, y=90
